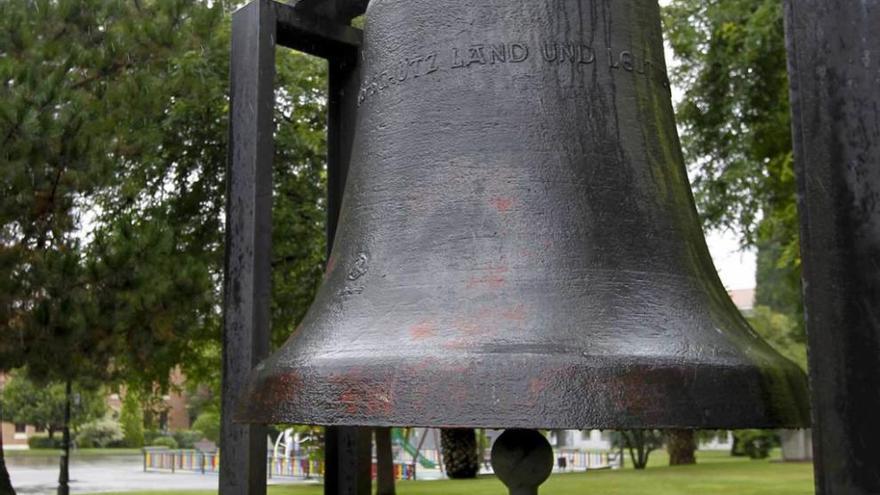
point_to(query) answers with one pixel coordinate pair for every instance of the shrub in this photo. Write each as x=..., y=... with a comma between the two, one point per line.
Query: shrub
x=186, y=439
x=101, y=433
x=132, y=420
x=166, y=441
x=44, y=442
x=150, y=435
x=755, y=443
x=209, y=424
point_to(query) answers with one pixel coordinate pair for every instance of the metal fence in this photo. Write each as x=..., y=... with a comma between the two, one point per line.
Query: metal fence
x=575, y=460
x=582, y=460
x=295, y=467
x=194, y=461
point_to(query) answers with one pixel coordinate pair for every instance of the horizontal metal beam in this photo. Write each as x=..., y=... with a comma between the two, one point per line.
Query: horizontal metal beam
x=343, y=10
x=306, y=31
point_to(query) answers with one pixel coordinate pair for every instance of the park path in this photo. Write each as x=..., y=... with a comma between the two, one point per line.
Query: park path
x=95, y=474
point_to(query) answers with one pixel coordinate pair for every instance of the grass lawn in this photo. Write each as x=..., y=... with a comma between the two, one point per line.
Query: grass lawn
x=715, y=474
x=74, y=453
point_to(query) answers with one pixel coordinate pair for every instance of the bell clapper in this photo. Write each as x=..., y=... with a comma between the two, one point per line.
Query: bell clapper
x=522, y=460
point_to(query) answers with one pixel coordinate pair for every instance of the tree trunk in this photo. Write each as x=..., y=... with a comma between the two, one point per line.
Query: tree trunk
x=5, y=482
x=384, y=462
x=735, y=448
x=637, y=446
x=681, y=445
x=64, y=475
x=460, y=452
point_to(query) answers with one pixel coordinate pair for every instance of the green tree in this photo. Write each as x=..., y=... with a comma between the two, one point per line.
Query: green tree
x=730, y=61
x=639, y=443
x=131, y=418
x=42, y=405
x=209, y=424
x=100, y=433
x=113, y=121
x=74, y=74
x=782, y=332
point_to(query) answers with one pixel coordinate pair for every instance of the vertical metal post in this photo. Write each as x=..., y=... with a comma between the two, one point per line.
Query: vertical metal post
x=248, y=288
x=384, y=462
x=64, y=471
x=248, y=240
x=347, y=461
x=343, y=79
x=347, y=449
x=834, y=66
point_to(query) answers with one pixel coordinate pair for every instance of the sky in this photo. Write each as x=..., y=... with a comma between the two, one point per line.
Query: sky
x=735, y=267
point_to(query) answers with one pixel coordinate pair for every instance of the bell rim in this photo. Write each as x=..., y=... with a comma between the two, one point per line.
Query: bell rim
x=626, y=394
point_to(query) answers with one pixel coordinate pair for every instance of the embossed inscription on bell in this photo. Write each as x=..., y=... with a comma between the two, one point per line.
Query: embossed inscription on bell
x=518, y=245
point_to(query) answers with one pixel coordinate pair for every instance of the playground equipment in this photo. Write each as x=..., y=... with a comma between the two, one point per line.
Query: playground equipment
x=398, y=439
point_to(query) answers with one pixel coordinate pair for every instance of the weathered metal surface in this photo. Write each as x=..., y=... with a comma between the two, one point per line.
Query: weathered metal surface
x=834, y=62
x=247, y=283
x=518, y=244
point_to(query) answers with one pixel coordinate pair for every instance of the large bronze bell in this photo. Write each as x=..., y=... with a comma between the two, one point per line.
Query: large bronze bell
x=518, y=244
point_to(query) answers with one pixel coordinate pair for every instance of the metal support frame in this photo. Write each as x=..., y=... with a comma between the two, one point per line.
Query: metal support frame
x=320, y=29
x=837, y=148
x=834, y=67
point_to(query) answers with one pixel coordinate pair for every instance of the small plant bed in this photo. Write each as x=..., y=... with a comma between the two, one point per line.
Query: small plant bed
x=73, y=453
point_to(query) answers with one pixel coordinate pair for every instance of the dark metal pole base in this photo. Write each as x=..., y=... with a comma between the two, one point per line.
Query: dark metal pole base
x=522, y=460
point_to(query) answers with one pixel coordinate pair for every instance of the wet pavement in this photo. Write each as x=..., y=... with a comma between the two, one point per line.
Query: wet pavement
x=94, y=474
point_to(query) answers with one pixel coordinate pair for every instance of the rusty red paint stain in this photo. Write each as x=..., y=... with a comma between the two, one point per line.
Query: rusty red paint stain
x=537, y=385
x=424, y=330
x=517, y=313
x=483, y=324
x=359, y=395
x=426, y=363
x=349, y=399
x=331, y=264
x=502, y=204
x=457, y=343
x=494, y=278
x=456, y=368
x=380, y=402
x=469, y=327
x=278, y=387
